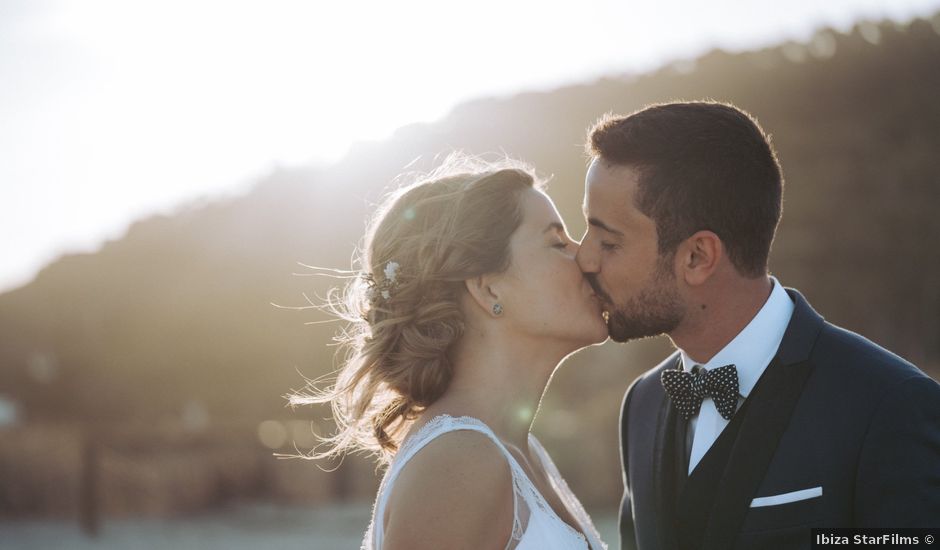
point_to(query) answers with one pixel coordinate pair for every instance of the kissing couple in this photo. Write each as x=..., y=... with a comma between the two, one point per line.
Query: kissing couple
x=765, y=422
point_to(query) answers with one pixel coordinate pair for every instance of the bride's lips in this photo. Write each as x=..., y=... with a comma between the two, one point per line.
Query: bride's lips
x=601, y=305
x=596, y=287
x=597, y=299
x=598, y=302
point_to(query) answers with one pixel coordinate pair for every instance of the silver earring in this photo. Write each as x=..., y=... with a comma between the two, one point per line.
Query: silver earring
x=497, y=309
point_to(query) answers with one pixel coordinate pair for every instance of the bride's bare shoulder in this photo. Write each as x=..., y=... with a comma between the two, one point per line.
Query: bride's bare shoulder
x=456, y=492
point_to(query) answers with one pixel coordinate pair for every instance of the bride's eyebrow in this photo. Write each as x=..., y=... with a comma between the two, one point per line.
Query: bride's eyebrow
x=554, y=225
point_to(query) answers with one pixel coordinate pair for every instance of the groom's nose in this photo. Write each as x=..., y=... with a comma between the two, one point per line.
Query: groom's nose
x=587, y=257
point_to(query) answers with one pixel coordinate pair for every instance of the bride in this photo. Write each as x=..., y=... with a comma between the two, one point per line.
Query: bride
x=468, y=300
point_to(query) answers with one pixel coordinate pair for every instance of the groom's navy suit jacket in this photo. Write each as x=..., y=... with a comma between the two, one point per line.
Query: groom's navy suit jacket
x=832, y=410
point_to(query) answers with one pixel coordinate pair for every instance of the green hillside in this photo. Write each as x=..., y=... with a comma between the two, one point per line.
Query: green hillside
x=178, y=310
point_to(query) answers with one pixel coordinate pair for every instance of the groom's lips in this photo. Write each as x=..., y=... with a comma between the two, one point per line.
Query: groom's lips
x=598, y=291
x=602, y=297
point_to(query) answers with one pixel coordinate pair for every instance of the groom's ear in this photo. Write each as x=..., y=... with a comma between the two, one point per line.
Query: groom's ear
x=698, y=257
x=482, y=293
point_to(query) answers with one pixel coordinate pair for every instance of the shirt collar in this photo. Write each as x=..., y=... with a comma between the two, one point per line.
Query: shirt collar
x=754, y=347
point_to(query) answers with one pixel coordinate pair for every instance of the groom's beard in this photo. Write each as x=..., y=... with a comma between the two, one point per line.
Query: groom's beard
x=656, y=309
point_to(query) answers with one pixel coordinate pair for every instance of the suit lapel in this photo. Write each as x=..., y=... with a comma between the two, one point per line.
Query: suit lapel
x=772, y=402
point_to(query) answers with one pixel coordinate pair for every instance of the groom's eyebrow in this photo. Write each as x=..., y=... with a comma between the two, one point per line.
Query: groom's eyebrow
x=597, y=223
x=601, y=225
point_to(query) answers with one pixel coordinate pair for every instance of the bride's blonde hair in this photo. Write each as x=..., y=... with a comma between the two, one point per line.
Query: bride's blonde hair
x=449, y=226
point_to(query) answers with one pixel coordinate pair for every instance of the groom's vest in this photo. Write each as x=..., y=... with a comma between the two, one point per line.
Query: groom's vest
x=694, y=495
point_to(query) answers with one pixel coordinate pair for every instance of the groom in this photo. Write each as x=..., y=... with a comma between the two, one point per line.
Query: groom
x=768, y=420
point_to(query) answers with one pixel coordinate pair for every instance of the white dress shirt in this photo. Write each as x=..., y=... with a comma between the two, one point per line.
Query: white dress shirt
x=750, y=351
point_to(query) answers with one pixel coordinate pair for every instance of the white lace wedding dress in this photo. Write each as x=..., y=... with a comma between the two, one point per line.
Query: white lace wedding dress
x=535, y=523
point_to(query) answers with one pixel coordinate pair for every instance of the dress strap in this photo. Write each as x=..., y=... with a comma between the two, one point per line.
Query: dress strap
x=436, y=427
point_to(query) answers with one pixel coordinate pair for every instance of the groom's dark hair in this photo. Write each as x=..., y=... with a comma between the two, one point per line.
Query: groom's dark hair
x=702, y=165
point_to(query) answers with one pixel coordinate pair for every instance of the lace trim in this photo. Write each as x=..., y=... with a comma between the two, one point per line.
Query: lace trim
x=569, y=499
x=438, y=420
x=543, y=504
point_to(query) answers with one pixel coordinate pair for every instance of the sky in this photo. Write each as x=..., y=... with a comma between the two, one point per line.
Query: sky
x=112, y=110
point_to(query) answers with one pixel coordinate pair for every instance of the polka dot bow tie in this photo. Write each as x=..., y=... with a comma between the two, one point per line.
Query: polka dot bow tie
x=689, y=389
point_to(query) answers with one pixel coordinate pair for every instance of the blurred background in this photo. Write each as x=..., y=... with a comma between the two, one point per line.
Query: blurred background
x=166, y=167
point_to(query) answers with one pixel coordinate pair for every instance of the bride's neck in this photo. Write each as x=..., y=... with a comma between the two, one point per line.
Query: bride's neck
x=499, y=379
